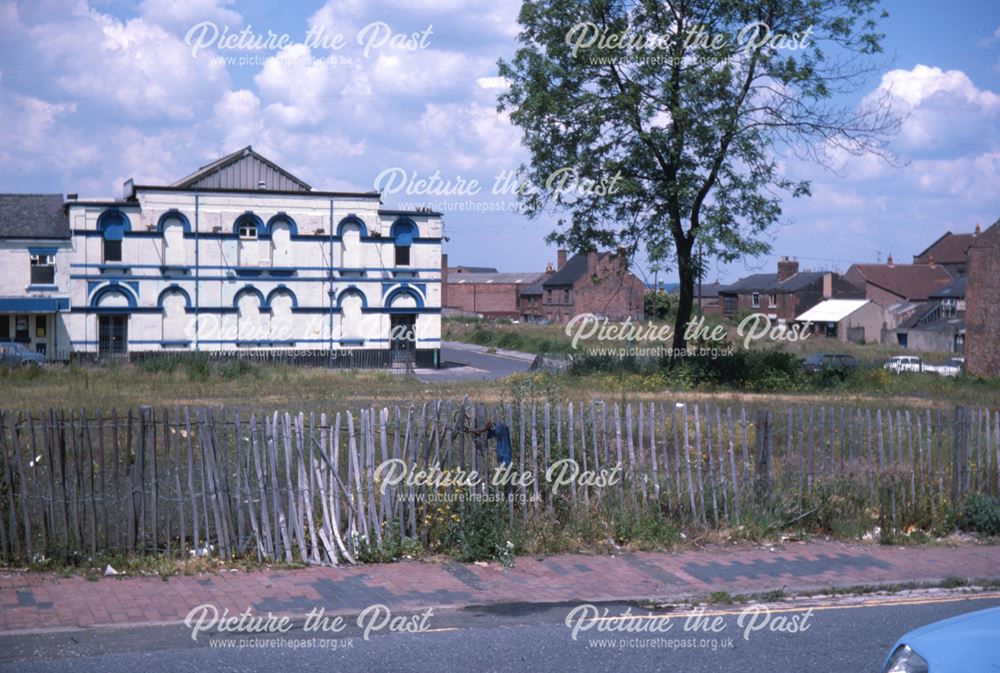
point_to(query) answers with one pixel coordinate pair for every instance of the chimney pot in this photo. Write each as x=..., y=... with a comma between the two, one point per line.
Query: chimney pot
x=977, y=231
x=888, y=261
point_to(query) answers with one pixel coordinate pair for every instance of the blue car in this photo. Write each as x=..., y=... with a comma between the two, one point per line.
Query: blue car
x=965, y=644
x=13, y=354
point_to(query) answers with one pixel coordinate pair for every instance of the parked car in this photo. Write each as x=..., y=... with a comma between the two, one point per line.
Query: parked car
x=904, y=363
x=952, y=367
x=820, y=362
x=13, y=354
x=964, y=644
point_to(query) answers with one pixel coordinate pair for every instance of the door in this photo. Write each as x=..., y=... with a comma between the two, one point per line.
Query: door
x=403, y=337
x=112, y=334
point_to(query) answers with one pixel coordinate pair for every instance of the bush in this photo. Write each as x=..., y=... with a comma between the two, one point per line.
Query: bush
x=484, y=533
x=980, y=513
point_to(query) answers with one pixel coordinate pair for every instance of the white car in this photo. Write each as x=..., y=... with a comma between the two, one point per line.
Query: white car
x=952, y=367
x=904, y=363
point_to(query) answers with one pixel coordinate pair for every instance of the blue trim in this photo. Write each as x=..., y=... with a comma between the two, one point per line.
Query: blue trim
x=82, y=265
x=282, y=277
x=351, y=289
x=113, y=288
x=171, y=289
x=33, y=304
x=352, y=219
x=173, y=214
x=113, y=224
x=51, y=287
x=283, y=217
x=281, y=289
x=401, y=290
x=404, y=231
x=399, y=311
x=248, y=215
x=43, y=251
x=174, y=342
x=262, y=302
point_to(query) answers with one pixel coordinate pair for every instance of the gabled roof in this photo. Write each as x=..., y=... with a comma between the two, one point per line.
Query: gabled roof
x=989, y=238
x=26, y=216
x=832, y=310
x=244, y=169
x=572, y=271
x=768, y=282
x=949, y=249
x=471, y=269
x=914, y=282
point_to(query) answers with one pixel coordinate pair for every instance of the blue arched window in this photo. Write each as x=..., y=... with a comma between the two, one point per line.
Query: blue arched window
x=403, y=232
x=113, y=225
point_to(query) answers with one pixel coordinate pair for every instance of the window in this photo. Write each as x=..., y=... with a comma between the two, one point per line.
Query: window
x=402, y=255
x=43, y=270
x=755, y=300
x=40, y=326
x=112, y=251
x=4, y=327
x=772, y=300
x=565, y=296
x=248, y=230
x=548, y=296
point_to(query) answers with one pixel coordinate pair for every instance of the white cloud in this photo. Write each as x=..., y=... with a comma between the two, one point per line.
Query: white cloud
x=944, y=112
x=182, y=14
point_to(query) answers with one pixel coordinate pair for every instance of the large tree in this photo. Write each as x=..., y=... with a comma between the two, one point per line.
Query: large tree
x=676, y=117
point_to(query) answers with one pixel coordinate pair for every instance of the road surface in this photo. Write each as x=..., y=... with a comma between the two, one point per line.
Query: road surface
x=846, y=635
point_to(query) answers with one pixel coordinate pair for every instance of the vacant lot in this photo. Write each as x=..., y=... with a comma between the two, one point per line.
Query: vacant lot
x=302, y=388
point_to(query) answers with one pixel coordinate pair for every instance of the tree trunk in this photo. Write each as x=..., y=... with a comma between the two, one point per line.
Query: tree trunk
x=685, y=305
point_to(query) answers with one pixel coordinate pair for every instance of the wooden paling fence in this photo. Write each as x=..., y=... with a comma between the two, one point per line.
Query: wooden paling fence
x=307, y=487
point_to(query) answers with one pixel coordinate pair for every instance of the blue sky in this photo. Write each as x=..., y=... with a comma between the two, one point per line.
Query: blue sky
x=93, y=93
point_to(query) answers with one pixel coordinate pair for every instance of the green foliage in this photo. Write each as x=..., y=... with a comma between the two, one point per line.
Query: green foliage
x=658, y=305
x=484, y=535
x=980, y=513
x=649, y=531
x=670, y=144
x=392, y=548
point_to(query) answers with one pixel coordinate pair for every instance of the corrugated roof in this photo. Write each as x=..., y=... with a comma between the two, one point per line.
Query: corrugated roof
x=494, y=278
x=244, y=169
x=832, y=310
x=33, y=216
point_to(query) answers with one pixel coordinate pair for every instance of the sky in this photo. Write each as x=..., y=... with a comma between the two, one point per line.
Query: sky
x=381, y=95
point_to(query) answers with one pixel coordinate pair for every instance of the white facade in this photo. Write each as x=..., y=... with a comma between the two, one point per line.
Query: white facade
x=223, y=269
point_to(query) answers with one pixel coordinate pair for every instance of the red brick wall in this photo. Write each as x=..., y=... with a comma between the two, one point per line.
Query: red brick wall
x=495, y=300
x=982, y=305
x=610, y=291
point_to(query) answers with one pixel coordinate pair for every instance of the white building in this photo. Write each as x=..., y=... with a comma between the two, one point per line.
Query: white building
x=240, y=256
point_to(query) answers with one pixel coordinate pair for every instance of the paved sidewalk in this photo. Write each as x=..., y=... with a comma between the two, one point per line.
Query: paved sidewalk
x=41, y=601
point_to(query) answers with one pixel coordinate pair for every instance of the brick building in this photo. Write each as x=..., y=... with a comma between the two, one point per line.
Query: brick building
x=784, y=295
x=982, y=303
x=949, y=251
x=592, y=282
x=890, y=283
x=483, y=291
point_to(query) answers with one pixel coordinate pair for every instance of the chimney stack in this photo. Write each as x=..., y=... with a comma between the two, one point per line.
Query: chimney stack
x=977, y=231
x=787, y=268
x=591, y=262
x=827, y=285
x=560, y=259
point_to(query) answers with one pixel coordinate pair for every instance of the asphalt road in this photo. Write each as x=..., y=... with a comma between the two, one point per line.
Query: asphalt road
x=460, y=362
x=841, y=636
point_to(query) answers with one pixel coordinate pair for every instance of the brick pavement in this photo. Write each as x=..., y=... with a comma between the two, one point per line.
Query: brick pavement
x=39, y=601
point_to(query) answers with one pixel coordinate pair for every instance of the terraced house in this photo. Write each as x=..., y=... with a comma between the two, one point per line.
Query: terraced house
x=240, y=257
